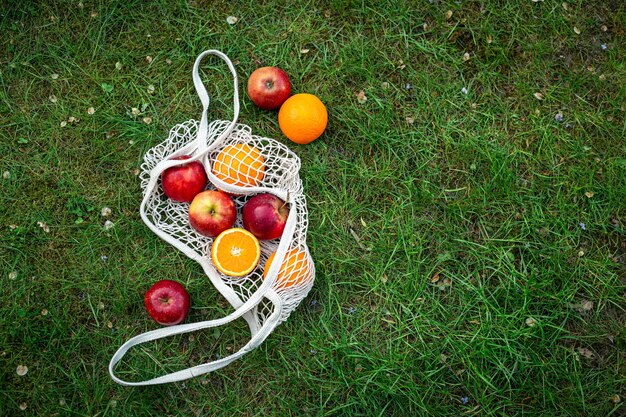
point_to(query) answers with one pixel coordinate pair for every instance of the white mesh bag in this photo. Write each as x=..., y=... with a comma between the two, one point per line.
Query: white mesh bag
x=264, y=303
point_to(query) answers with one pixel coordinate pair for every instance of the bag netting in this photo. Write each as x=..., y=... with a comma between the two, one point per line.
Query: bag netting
x=242, y=164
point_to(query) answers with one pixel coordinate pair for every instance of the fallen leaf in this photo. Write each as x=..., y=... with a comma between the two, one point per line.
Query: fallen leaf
x=384, y=279
x=581, y=253
x=358, y=240
x=466, y=56
x=13, y=275
x=564, y=5
x=23, y=406
x=448, y=14
x=304, y=51
x=147, y=120
x=151, y=89
x=168, y=61
x=6, y=175
x=530, y=322
x=586, y=305
x=603, y=28
x=435, y=278
x=231, y=20
x=576, y=30
x=410, y=120
x=538, y=96
x=616, y=399
x=489, y=39
x=464, y=90
x=361, y=97
x=148, y=59
x=52, y=98
x=108, y=225
x=105, y=212
x=55, y=76
x=385, y=85
x=22, y=370
x=134, y=111
x=44, y=227
x=118, y=65
x=44, y=312
x=589, y=194
x=586, y=353
x=91, y=110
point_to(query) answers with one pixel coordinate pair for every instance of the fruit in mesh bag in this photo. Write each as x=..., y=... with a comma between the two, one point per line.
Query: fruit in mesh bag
x=183, y=182
x=211, y=212
x=240, y=164
x=265, y=215
x=235, y=252
x=294, y=271
x=303, y=118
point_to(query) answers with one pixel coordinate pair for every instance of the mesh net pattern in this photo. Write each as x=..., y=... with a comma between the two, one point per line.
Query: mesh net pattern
x=242, y=160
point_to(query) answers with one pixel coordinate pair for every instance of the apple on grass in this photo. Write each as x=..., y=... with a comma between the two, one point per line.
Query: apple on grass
x=211, y=212
x=265, y=216
x=269, y=87
x=167, y=302
x=183, y=182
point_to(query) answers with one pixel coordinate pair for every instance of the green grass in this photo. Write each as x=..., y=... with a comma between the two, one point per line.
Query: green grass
x=486, y=191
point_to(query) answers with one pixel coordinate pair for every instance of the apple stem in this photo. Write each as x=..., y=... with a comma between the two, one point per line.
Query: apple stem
x=164, y=299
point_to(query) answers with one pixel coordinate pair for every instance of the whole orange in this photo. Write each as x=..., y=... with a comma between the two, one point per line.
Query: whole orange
x=303, y=118
x=240, y=164
x=294, y=271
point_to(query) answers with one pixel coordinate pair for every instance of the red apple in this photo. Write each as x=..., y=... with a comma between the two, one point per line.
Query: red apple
x=211, y=212
x=269, y=87
x=265, y=215
x=167, y=302
x=183, y=182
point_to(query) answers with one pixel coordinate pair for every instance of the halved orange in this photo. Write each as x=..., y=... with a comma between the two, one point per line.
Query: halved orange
x=235, y=252
x=240, y=164
x=294, y=270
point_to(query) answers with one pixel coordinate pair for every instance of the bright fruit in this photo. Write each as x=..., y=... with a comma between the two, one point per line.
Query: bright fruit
x=211, y=212
x=269, y=87
x=293, y=272
x=240, y=164
x=183, y=182
x=167, y=302
x=265, y=215
x=303, y=118
x=236, y=252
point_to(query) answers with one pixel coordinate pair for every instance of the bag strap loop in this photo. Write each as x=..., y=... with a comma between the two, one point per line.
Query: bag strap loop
x=256, y=339
x=202, y=134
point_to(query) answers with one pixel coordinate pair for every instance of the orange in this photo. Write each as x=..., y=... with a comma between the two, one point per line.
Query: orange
x=303, y=118
x=240, y=164
x=293, y=271
x=235, y=252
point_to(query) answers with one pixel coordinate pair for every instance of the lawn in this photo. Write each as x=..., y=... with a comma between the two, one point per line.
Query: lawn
x=467, y=207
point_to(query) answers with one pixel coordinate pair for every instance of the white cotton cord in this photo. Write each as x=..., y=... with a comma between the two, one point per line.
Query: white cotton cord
x=201, y=138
